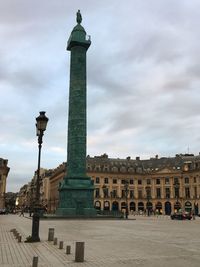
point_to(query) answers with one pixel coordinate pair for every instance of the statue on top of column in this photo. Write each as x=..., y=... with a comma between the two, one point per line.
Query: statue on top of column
x=78, y=17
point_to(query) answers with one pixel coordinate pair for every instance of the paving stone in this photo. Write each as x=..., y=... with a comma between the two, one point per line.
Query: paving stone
x=146, y=241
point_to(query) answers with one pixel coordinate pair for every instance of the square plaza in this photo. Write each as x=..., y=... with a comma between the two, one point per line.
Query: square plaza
x=139, y=241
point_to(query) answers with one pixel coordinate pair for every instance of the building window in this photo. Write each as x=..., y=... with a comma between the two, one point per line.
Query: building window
x=158, y=193
x=131, y=181
x=123, y=181
x=139, y=181
x=97, y=192
x=195, y=180
x=187, y=192
x=105, y=192
x=176, y=180
x=114, y=181
x=186, y=180
x=176, y=192
x=114, y=193
x=97, y=180
x=131, y=193
x=123, y=194
x=167, y=192
x=148, y=181
x=140, y=194
x=106, y=180
x=148, y=193
x=157, y=181
x=166, y=180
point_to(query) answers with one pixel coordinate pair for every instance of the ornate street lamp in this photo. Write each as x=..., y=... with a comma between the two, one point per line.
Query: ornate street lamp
x=41, y=124
x=105, y=194
x=148, y=190
x=105, y=191
x=176, y=187
x=126, y=190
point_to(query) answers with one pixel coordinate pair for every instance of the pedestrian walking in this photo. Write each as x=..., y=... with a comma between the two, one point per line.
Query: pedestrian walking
x=22, y=212
x=193, y=215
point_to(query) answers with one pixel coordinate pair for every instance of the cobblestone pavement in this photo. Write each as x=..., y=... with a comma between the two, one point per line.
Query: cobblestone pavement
x=152, y=242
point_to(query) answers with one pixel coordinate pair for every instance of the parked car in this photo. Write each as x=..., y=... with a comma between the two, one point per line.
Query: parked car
x=181, y=216
x=3, y=211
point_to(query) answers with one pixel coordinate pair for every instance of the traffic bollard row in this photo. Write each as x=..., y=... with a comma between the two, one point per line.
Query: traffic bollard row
x=79, y=248
x=16, y=235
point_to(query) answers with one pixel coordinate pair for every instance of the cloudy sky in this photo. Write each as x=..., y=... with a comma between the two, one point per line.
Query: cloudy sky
x=143, y=79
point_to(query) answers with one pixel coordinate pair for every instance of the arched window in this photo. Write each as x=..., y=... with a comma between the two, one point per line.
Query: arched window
x=123, y=205
x=177, y=206
x=159, y=208
x=140, y=206
x=132, y=206
x=168, y=208
x=115, y=206
x=97, y=205
x=106, y=205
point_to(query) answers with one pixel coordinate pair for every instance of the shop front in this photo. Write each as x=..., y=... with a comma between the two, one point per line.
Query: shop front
x=188, y=206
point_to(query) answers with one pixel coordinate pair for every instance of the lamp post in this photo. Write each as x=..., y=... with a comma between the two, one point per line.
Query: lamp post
x=104, y=188
x=126, y=190
x=148, y=198
x=41, y=124
x=111, y=196
x=105, y=194
x=176, y=187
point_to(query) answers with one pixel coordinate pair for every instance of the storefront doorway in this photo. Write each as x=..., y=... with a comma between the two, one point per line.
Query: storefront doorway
x=159, y=208
x=168, y=208
x=188, y=206
x=115, y=206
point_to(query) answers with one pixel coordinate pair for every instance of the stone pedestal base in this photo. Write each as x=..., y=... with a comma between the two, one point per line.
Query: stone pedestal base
x=76, y=198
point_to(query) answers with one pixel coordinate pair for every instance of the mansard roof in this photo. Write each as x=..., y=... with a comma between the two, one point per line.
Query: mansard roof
x=143, y=166
x=139, y=166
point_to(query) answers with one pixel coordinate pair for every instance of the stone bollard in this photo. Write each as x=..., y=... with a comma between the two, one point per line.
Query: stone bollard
x=68, y=249
x=79, y=251
x=15, y=232
x=35, y=261
x=19, y=239
x=16, y=235
x=61, y=245
x=51, y=234
x=55, y=241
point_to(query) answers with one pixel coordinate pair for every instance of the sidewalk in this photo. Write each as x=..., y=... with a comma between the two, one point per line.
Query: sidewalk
x=16, y=254
x=151, y=242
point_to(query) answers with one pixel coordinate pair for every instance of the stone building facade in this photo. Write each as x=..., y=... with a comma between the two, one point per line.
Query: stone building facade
x=156, y=185
x=4, y=170
x=27, y=193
